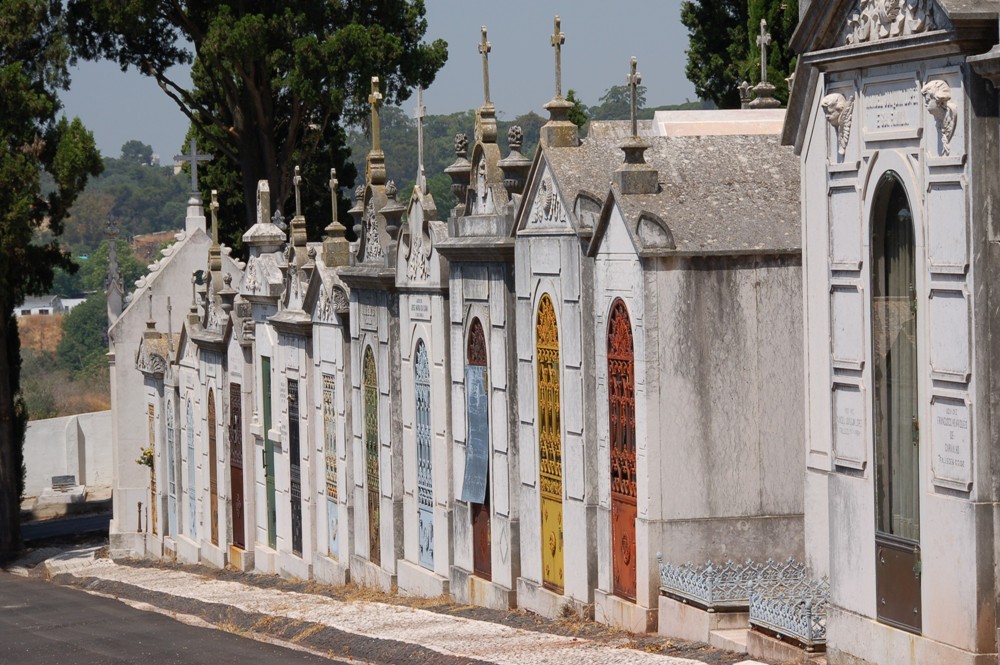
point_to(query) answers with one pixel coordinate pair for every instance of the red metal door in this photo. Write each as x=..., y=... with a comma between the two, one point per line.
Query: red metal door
x=621, y=413
x=236, y=462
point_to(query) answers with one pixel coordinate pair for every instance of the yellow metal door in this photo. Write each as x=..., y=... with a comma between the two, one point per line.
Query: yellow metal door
x=550, y=445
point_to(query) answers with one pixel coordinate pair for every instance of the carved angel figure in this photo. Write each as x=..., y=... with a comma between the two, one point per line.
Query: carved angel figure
x=839, y=111
x=882, y=19
x=937, y=97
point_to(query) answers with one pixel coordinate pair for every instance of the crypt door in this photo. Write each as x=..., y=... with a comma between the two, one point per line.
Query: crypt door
x=549, y=444
x=621, y=414
x=272, y=517
x=213, y=471
x=295, y=465
x=476, y=486
x=191, y=488
x=236, y=463
x=425, y=486
x=330, y=467
x=153, y=520
x=171, y=471
x=897, y=429
x=370, y=380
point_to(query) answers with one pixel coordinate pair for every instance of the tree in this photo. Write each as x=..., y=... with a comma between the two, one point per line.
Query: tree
x=272, y=82
x=577, y=114
x=137, y=152
x=616, y=104
x=84, y=342
x=782, y=18
x=718, y=48
x=33, y=68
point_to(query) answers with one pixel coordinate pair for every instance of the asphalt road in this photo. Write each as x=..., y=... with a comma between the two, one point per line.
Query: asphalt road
x=45, y=624
x=66, y=526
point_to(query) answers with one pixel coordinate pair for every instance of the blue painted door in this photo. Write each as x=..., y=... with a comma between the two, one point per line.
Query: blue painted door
x=425, y=483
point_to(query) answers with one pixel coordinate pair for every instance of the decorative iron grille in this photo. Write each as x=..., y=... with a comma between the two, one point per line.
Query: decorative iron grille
x=425, y=486
x=724, y=586
x=793, y=609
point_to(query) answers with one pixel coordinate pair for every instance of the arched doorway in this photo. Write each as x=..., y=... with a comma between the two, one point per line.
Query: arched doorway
x=549, y=443
x=895, y=406
x=236, y=462
x=476, y=487
x=370, y=380
x=171, y=471
x=425, y=484
x=213, y=472
x=621, y=428
x=191, y=475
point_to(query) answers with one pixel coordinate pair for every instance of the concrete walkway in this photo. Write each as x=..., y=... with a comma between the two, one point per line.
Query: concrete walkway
x=447, y=635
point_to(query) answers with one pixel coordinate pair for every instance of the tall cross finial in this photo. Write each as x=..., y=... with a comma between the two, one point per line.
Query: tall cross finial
x=634, y=79
x=150, y=296
x=214, y=207
x=484, y=49
x=192, y=157
x=297, y=182
x=557, y=40
x=334, y=186
x=375, y=99
x=763, y=41
x=420, y=114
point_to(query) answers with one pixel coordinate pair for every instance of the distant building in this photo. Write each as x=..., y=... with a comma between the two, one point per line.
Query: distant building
x=41, y=305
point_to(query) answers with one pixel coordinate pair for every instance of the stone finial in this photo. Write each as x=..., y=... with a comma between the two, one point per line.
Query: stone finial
x=764, y=90
x=557, y=40
x=296, y=183
x=358, y=209
x=375, y=164
x=635, y=176
x=559, y=132
x=515, y=166
x=745, y=96
x=392, y=212
x=763, y=41
x=633, y=79
x=515, y=137
x=335, y=246
x=263, y=202
x=419, y=114
x=215, y=251
x=298, y=224
x=459, y=169
x=484, y=49
x=193, y=157
x=278, y=220
x=461, y=145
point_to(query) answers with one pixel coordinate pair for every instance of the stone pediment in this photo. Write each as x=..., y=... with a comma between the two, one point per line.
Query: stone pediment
x=326, y=296
x=263, y=277
x=151, y=357
x=543, y=208
x=487, y=194
x=418, y=262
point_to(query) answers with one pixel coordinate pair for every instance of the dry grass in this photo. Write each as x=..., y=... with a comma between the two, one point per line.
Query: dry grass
x=308, y=632
x=40, y=332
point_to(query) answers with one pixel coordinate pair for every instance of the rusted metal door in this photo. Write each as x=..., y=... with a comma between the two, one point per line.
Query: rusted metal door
x=213, y=471
x=330, y=455
x=425, y=483
x=476, y=486
x=550, y=444
x=236, y=463
x=295, y=465
x=621, y=414
x=370, y=379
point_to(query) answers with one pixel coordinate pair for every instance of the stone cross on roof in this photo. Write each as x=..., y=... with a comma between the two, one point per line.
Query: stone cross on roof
x=634, y=79
x=193, y=157
x=214, y=207
x=763, y=41
x=557, y=40
x=296, y=183
x=375, y=99
x=263, y=202
x=484, y=49
x=420, y=113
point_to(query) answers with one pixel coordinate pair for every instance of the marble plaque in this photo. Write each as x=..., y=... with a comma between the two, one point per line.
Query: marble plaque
x=849, y=429
x=950, y=347
x=420, y=307
x=845, y=228
x=546, y=257
x=847, y=327
x=369, y=317
x=951, y=443
x=947, y=232
x=893, y=109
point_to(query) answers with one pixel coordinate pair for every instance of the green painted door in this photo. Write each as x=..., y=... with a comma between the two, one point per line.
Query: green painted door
x=265, y=368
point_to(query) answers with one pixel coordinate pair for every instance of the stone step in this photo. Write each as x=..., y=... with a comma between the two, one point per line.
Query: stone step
x=731, y=640
x=768, y=648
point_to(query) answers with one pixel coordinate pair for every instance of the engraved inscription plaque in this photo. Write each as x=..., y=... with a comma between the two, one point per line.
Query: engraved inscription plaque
x=420, y=307
x=849, y=445
x=951, y=437
x=892, y=110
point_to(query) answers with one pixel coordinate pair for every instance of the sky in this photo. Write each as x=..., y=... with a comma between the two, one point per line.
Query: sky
x=601, y=37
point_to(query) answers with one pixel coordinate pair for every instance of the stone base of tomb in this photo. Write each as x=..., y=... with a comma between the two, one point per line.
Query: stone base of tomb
x=366, y=573
x=620, y=613
x=126, y=545
x=240, y=559
x=472, y=590
x=330, y=571
x=536, y=598
x=265, y=560
x=687, y=622
x=213, y=555
x=187, y=551
x=766, y=647
x=857, y=640
x=293, y=567
x=415, y=580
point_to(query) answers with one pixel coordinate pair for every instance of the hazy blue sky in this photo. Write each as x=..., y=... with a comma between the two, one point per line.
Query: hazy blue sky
x=601, y=36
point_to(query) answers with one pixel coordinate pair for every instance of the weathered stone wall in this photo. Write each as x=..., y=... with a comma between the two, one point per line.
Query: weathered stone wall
x=77, y=445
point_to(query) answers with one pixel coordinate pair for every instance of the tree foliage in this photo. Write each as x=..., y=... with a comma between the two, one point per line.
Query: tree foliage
x=782, y=19
x=137, y=152
x=272, y=82
x=578, y=114
x=616, y=104
x=36, y=139
x=84, y=342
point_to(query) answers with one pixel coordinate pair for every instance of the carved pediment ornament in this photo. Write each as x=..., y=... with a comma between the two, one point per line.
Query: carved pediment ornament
x=341, y=305
x=873, y=20
x=546, y=208
x=418, y=253
x=250, y=280
x=839, y=111
x=324, y=306
x=937, y=97
x=373, y=245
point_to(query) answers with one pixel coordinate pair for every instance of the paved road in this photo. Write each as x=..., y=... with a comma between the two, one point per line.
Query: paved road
x=43, y=624
x=66, y=526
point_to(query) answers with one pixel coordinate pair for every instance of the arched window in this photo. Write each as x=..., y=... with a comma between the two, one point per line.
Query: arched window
x=370, y=380
x=549, y=443
x=476, y=486
x=425, y=483
x=621, y=430
x=894, y=392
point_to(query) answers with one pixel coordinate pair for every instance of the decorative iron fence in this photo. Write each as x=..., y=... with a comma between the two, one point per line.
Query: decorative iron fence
x=792, y=609
x=724, y=587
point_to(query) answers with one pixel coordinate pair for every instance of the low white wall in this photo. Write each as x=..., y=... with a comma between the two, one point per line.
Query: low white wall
x=73, y=445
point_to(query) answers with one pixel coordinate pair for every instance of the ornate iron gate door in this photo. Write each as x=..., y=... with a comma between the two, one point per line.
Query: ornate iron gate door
x=236, y=463
x=370, y=378
x=272, y=521
x=550, y=445
x=191, y=488
x=295, y=465
x=152, y=470
x=425, y=483
x=171, y=471
x=330, y=455
x=477, y=415
x=213, y=470
x=621, y=414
